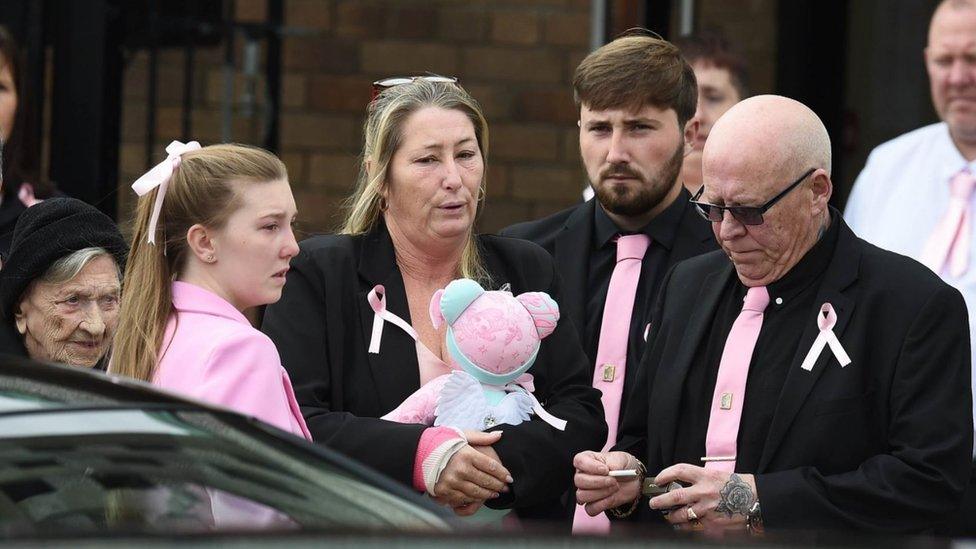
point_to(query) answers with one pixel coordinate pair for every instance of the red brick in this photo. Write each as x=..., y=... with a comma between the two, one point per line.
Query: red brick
x=496, y=101
x=359, y=19
x=411, y=22
x=463, y=23
x=547, y=105
x=511, y=64
x=570, y=146
x=250, y=11
x=515, y=27
x=520, y=142
x=573, y=59
x=498, y=214
x=132, y=160
x=318, y=212
x=395, y=58
x=295, y=163
x=293, y=90
x=316, y=131
x=546, y=183
x=337, y=172
x=339, y=93
x=567, y=29
x=498, y=180
x=314, y=14
x=321, y=54
x=133, y=121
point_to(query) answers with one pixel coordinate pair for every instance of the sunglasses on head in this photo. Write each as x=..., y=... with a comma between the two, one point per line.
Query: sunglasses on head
x=393, y=81
x=747, y=215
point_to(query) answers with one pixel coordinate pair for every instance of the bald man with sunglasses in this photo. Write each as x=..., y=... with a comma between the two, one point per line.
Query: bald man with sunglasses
x=801, y=377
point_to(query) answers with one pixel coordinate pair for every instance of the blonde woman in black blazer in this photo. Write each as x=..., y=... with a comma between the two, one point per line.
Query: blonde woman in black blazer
x=409, y=227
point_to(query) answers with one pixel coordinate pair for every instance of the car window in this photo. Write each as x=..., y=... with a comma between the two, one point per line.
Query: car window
x=94, y=470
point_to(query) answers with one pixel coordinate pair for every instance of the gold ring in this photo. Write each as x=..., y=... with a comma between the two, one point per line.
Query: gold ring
x=692, y=516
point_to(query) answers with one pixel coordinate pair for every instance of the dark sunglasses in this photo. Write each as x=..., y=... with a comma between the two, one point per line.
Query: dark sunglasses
x=747, y=215
x=387, y=83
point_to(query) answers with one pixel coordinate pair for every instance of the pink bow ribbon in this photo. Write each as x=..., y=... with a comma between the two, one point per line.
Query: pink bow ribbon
x=159, y=176
x=826, y=320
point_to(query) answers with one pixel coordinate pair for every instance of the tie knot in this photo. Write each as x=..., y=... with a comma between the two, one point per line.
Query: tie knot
x=632, y=246
x=756, y=299
x=961, y=186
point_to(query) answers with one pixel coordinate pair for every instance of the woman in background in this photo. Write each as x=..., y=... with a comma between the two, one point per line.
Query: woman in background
x=21, y=187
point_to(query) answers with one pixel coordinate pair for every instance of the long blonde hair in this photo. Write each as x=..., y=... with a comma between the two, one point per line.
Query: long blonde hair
x=382, y=136
x=204, y=189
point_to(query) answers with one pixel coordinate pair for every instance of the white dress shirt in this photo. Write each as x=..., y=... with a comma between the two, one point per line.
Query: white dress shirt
x=902, y=194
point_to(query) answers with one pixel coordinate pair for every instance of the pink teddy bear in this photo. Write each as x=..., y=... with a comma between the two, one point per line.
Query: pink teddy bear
x=493, y=338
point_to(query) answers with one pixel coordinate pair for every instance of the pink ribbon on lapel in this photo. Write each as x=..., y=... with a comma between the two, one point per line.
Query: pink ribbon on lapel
x=382, y=315
x=159, y=176
x=826, y=320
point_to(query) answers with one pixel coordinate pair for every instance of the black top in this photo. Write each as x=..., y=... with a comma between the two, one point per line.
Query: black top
x=882, y=444
x=603, y=259
x=322, y=326
x=10, y=210
x=11, y=342
x=569, y=236
x=790, y=300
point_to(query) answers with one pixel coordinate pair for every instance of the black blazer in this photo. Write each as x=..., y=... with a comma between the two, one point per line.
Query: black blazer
x=568, y=236
x=882, y=444
x=322, y=326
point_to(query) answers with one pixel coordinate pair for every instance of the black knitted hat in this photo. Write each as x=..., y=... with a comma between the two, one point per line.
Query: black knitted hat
x=48, y=231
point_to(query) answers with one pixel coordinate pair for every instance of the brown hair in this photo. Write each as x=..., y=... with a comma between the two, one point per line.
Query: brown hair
x=203, y=189
x=382, y=135
x=634, y=71
x=713, y=49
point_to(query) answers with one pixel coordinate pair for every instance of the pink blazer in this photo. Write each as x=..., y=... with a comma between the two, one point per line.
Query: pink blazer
x=212, y=353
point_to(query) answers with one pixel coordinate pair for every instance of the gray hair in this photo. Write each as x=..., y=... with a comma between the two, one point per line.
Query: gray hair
x=70, y=265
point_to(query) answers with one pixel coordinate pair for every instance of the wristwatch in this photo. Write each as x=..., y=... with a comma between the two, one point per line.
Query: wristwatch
x=754, y=520
x=628, y=509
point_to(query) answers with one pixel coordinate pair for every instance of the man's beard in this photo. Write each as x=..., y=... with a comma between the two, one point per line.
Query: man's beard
x=633, y=202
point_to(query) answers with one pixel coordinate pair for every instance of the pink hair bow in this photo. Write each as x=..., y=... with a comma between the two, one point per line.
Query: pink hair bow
x=159, y=176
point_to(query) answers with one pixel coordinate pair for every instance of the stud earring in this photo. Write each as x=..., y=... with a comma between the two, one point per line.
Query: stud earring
x=211, y=258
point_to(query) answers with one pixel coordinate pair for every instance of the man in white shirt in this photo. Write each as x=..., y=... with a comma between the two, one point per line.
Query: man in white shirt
x=915, y=194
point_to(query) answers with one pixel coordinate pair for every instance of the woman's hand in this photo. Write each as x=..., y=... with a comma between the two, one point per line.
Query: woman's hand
x=471, y=476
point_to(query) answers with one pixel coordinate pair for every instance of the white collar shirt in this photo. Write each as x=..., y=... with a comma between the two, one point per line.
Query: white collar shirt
x=901, y=195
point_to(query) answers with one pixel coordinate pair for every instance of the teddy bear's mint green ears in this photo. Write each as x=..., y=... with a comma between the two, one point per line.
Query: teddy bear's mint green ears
x=449, y=304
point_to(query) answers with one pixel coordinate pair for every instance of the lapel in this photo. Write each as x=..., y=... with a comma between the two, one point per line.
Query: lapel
x=665, y=396
x=571, y=256
x=836, y=289
x=396, y=373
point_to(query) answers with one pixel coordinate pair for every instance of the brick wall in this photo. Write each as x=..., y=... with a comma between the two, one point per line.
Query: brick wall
x=516, y=57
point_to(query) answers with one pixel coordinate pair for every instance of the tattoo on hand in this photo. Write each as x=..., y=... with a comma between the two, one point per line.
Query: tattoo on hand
x=736, y=497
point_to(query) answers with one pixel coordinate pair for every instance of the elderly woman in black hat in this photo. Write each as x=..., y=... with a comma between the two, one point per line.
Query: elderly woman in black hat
x=60, y=285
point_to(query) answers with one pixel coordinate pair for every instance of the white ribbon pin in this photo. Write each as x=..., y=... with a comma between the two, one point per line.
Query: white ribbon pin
x=826, y=319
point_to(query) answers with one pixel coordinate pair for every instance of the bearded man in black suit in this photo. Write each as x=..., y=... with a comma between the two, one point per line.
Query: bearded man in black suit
x=801, y=377
x=637, y=99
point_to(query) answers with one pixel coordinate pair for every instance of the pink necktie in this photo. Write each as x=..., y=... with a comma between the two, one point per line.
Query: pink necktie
x=730, y=384
x=611, y=354
x=949, y=242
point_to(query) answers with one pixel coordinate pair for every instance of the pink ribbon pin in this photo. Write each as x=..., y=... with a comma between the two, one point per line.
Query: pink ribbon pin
x=377, y=300
x=159, y=176
x=826, y=319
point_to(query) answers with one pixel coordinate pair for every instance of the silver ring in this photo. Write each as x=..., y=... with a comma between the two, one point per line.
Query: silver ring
x=692, y=516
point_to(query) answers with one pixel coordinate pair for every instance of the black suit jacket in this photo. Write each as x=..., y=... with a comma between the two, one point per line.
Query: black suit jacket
x=322, y=326
x=882, y=444
x=568, y=236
